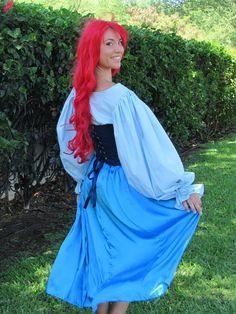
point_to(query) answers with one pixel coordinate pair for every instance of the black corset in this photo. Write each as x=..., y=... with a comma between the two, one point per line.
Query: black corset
x=105, y=149
x=104, y=143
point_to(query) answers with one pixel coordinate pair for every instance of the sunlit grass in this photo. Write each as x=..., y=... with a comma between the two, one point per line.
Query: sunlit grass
x=205, y=281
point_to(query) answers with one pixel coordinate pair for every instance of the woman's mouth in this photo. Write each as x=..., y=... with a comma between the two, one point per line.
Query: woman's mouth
x=117, y=58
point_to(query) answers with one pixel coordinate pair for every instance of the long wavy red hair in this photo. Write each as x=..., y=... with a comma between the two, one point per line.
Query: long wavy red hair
x=84, y=82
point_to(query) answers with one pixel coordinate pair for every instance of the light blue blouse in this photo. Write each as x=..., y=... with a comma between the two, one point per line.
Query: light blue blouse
x=147, y=155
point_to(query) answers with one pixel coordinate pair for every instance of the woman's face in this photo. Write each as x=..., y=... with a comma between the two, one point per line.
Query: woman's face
x=111, y=50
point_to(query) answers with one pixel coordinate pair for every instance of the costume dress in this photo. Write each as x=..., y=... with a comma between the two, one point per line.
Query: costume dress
x=131, y=229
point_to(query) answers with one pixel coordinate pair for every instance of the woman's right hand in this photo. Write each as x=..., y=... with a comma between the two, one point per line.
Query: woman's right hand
x=194, y=203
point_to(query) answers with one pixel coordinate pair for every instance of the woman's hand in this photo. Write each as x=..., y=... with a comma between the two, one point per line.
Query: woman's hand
x=77, y=197
x=194, y=203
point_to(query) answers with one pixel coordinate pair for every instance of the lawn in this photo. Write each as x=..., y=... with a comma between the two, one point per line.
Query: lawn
x=205, y=281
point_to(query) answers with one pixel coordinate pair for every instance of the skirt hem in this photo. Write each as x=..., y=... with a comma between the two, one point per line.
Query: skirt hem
x=94, y=305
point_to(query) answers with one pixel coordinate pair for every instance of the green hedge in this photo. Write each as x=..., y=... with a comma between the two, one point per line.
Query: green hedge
x=36, y=55
x=217, y=73
x=189, y=85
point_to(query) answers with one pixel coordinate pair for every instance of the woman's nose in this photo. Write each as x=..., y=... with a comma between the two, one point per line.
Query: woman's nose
x=119, y=47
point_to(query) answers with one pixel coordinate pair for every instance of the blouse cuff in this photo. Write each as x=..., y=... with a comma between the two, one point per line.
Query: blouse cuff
x=183, y=193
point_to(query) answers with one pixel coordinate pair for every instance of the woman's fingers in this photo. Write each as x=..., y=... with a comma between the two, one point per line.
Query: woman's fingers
x=77, y=197
x=197, y=202
x=194, y=203
x=185, y=204
x=191, y=205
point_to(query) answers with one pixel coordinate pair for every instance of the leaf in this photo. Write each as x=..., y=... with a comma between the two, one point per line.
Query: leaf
x=15, y=33
x=48, y=49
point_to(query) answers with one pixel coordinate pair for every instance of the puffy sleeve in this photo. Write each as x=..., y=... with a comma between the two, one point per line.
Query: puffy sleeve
x=147, y=155
x=65, y=132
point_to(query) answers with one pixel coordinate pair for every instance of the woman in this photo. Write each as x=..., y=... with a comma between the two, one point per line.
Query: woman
x=138, y=208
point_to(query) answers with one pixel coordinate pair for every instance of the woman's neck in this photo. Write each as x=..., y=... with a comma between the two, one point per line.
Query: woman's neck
x=103, y=78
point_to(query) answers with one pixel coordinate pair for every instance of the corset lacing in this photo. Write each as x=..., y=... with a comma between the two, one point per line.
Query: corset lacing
x=106, y=152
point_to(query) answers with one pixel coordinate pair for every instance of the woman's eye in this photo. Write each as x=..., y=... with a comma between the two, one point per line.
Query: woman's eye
x=110, y=43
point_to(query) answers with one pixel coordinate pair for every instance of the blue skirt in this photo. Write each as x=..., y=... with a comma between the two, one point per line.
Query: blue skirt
x=127, y=248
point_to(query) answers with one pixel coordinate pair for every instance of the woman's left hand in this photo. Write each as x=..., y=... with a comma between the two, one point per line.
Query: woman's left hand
x=194, y=203
x=77, y=197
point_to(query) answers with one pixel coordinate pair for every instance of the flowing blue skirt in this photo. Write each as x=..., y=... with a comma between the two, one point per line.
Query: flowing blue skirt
x=127, y=248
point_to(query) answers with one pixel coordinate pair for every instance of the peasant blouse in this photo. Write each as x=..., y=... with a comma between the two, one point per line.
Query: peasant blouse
x=148, y=157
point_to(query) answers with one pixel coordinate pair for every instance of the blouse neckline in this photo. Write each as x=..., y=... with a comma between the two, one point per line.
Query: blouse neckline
x=107, y=89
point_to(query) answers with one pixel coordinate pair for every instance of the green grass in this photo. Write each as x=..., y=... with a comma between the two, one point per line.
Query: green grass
x=205, y=281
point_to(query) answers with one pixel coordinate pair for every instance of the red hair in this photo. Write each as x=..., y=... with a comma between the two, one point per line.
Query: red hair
x=7, y=6
x=84, y=82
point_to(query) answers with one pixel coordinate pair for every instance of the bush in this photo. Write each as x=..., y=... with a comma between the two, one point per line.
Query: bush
x=218, y=75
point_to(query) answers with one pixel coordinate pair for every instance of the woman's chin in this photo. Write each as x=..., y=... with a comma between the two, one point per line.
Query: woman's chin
x=116, y=66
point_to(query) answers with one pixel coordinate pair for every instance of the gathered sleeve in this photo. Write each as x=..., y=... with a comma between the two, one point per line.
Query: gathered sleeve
x=147, y=155
x=65, y=132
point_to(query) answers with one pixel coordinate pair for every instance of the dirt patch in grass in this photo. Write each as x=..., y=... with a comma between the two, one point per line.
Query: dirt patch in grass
x=51, y=210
